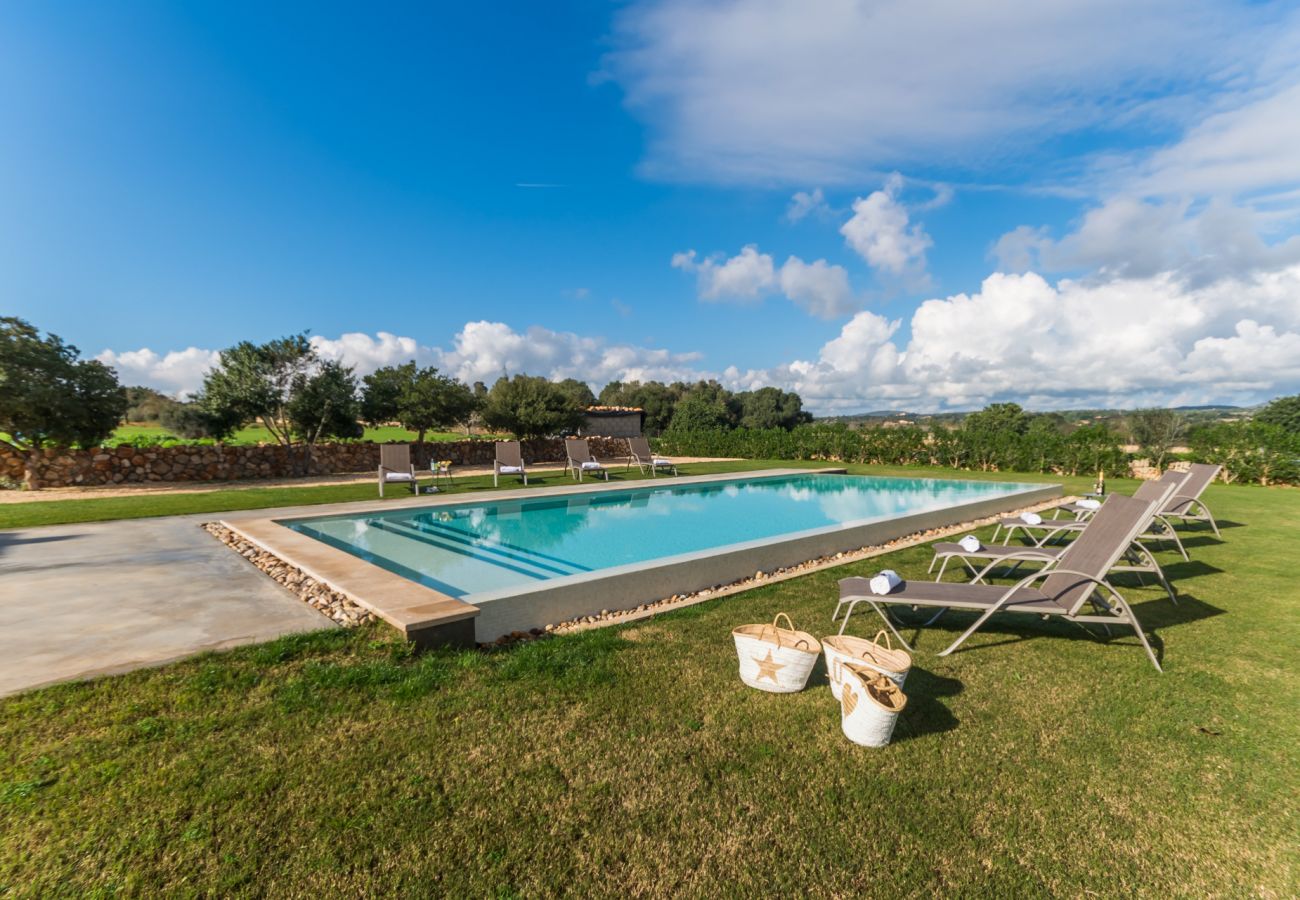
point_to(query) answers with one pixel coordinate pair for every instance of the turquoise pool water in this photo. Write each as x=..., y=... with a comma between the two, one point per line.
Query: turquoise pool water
x=486, y=546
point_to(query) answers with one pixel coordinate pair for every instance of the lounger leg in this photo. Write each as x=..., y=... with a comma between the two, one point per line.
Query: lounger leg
x=1137, y=629
x=984, y=617
x=1209, y=518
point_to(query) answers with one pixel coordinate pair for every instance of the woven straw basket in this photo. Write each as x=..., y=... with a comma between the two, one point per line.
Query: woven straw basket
x=869, y=706
x=775, y=659
x=845, y=649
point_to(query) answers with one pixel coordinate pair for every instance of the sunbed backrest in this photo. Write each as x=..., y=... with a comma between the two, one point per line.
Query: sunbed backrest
x=639, y=447
x=395, y=456
x=1160, y=488
x=1104, y=539
x=508, y=453
x=1199, y=476
x=577, y=449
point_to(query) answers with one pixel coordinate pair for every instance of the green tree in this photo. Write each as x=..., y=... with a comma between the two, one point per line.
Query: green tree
x=578, y=391
x=696, y=412
x=194, y=421
x=50, y=396
x=256, y=382
x=421, y=400
x=656, y=399
x=771, y=407
x=1283, y=412
x=144, y=404
x=323, y=404
x=1155, y=431
x=530, y=407
x=998, y=417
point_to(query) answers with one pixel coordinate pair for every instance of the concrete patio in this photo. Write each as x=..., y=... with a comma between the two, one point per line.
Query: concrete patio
x=83, y=600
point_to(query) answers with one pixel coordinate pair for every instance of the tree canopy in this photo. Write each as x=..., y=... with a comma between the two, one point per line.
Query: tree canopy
x=531, y=407
x=420, y=399
x=49, y=395
x=1283, y=412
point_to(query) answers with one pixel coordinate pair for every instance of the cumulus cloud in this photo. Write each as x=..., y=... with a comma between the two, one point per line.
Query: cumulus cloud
x=745, y=276
x=1122, y=342
x=480, y=351
x=804, y=204
x=819, y=287
x=880, y=233
x=177, y=372
x=784, y=91
x=1127, y=237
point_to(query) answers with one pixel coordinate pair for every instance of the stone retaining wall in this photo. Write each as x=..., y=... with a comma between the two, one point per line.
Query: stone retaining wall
x=57, y=467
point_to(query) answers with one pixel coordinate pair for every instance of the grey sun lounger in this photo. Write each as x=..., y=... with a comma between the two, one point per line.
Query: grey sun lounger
x=1158, y=529
x=1136, y=557
x=509, y=461
x=643, y=459
x=1077, y=579
x=1186, y=504
x=580, y=459
x=395, y=466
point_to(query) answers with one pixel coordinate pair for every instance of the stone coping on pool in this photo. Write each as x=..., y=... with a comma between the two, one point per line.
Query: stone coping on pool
x=431, y=618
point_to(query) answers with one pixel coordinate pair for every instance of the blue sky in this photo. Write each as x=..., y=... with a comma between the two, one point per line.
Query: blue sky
x=988, y=196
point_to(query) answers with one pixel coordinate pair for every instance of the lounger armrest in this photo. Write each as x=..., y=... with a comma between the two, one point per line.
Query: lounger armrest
x=1057, y=570
x=1027, y=555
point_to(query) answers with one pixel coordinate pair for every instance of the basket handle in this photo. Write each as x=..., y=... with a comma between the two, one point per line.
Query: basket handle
x=889, y=645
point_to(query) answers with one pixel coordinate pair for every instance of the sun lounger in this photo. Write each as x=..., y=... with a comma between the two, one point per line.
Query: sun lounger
x=1078, y=578
x=509, y=461
x=639, y=448
x=1136, y=558
x=395, y=466
x=1051, y=531
x=581, y=461
x=1186, y=504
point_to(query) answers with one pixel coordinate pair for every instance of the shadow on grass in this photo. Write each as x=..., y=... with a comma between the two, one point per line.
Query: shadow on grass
x=924, y=714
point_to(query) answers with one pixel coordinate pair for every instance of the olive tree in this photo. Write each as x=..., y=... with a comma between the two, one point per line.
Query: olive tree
x=421, y=400
x=50, y=396
x=530, y=407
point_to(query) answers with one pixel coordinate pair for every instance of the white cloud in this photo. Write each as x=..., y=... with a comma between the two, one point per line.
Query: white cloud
x=1127, y=237
x=366, y=353
x=803, y=204
x=818, y=287
x=879, y=231
x=1132, y=341
x=178, y=372
x=480, y=351
x=786, y=91
x=745, y=276
x=1118, y=342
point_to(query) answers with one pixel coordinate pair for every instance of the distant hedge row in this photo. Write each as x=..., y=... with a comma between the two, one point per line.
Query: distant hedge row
x=1082, y=452
x=1249, y=452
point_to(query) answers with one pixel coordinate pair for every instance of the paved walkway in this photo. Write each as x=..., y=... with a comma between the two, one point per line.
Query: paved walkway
x=84, y=600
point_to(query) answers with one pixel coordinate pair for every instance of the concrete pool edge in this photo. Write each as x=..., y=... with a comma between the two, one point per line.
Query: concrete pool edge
x=431, y=618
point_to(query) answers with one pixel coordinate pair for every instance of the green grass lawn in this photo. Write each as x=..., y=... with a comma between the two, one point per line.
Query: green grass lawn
x=631, y=761
x=256, y=434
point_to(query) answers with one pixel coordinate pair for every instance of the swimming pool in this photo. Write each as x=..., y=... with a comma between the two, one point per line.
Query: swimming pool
x=572, y=552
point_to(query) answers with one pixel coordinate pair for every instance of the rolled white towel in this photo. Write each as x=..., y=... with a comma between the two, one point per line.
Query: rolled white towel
x=592, y=465
x=509, y=470
x=1088, y=503
x=885, y=582
x=970, y=543
x=1031, y=518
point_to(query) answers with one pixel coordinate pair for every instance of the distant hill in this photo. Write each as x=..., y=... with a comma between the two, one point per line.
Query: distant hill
x=1194, y=414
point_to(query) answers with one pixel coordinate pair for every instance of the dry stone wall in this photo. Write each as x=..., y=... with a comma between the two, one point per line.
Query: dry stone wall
x=58, y=467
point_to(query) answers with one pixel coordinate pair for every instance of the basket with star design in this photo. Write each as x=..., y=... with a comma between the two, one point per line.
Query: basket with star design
x=773, y=658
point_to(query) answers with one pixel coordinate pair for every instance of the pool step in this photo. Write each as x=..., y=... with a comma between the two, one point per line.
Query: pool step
x=452, y=541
